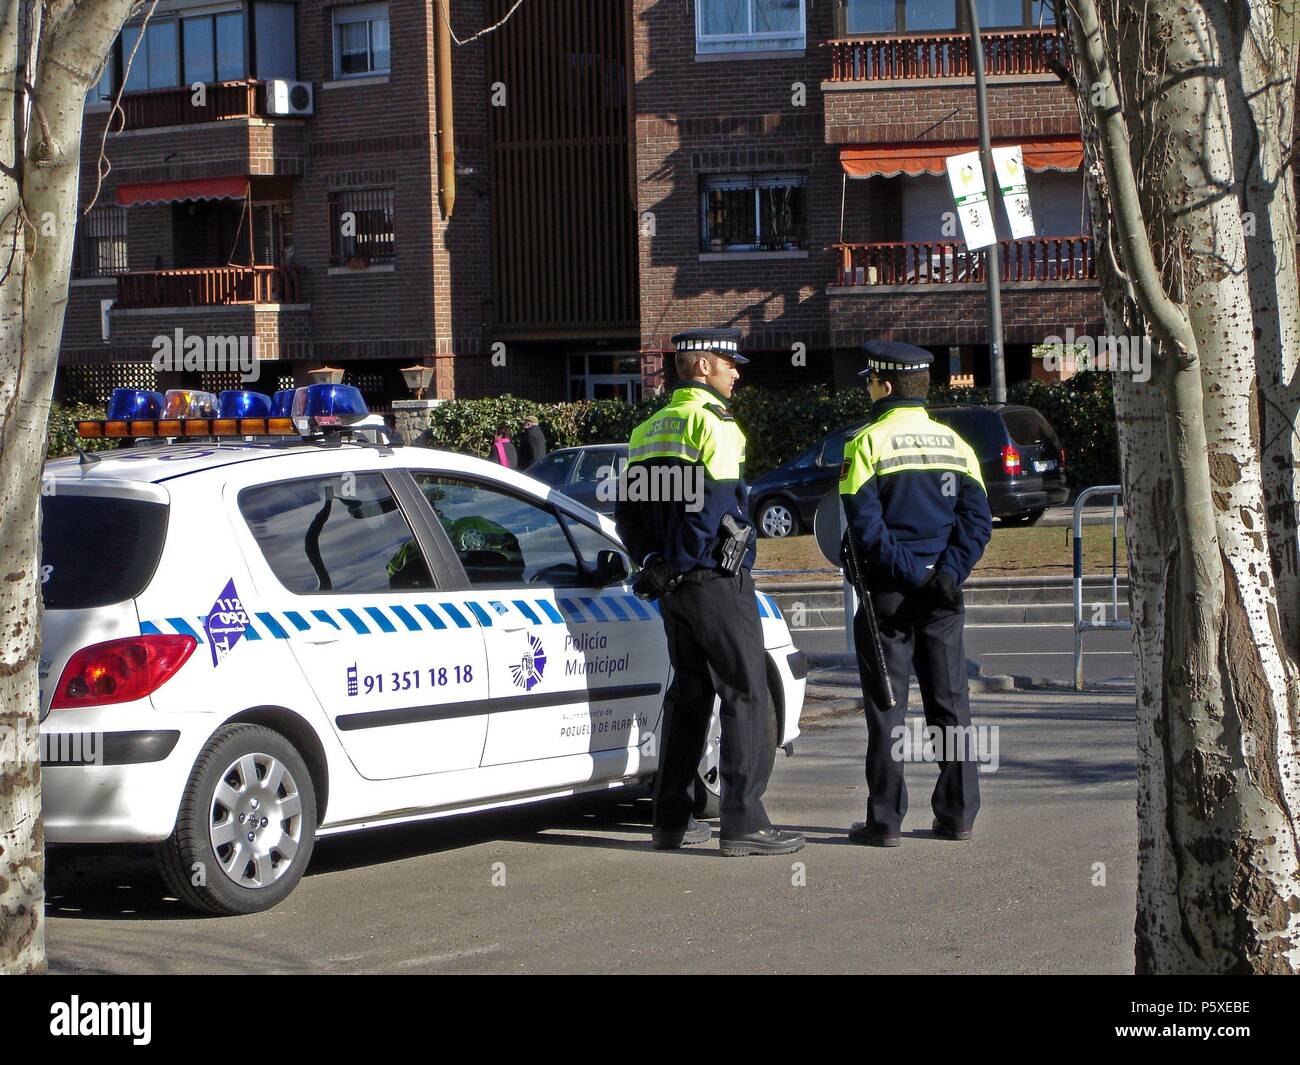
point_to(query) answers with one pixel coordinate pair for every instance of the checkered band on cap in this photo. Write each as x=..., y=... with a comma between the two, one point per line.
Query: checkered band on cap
x=707, y=345
x=894, y=364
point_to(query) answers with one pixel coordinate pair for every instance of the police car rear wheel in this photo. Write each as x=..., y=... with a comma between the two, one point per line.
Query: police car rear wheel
x=777, y=520
x=247, y=824
x=708, y=781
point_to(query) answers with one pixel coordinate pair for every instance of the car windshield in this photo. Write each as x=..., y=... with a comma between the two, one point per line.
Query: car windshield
x=98, y=550
x=554, y=468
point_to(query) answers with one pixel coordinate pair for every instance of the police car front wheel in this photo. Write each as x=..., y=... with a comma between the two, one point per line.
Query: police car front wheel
x=246, y=826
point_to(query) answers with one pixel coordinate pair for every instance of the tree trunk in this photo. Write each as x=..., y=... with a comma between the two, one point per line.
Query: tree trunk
x=40, y=148
x=1190, y=137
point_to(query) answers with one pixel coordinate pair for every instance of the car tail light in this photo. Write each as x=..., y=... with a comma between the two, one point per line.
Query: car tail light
x=1010, y=460
x=120, y=671
x=1063, y=458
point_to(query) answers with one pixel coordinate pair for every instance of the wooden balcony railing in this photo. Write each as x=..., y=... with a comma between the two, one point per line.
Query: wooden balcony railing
x=176, y=107
x=208, y=286
x=947, y=262
x=945, y=55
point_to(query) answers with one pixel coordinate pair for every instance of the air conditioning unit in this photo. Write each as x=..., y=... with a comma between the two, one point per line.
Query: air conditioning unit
x=288, y=97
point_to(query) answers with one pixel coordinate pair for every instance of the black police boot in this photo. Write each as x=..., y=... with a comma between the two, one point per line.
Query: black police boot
x=867, y=836
x=947, y=832
x=764, y=841
x=669, y=840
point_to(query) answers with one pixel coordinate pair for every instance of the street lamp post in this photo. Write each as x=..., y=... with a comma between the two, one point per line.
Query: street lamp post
x=992, y=256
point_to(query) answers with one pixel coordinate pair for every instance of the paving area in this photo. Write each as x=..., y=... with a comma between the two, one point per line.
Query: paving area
x=1046, y=886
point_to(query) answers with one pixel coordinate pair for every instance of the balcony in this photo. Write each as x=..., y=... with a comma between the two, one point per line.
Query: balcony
x=153, y=108
x=946, y=55
x=208, y=286
x=945, y=262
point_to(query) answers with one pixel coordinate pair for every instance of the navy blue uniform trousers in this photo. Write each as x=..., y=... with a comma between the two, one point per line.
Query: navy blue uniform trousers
x=918, y=634
x=713, y=630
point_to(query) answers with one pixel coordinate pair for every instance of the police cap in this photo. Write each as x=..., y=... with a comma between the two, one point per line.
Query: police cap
x=724, y=341
x=888, y=355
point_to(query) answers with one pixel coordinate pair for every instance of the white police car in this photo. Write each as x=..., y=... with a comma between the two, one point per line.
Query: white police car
x=249, y=641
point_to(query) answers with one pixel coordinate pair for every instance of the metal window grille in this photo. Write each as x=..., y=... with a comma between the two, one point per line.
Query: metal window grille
x=100, y=248
x=361, y=226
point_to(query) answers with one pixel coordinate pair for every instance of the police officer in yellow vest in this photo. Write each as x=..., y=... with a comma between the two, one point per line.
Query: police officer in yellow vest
x=695, y=549
x=919, y=515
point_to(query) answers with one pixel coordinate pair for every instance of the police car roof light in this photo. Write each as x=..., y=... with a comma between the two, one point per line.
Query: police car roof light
x=239, y=403
x=317, y=407
x=188, y=403
x=282, y=403
x=131, y=403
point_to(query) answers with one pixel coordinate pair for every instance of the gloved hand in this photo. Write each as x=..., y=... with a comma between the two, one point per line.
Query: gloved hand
x=942, y=587
x=654, y=580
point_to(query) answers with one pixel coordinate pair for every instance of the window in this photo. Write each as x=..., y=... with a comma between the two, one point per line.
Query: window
x=334, y=534
x=360, y=40
x=504, y=541
x=98, y=550
x=361, y=227
x=102, y=91
x=748, y=25
x=274, y=42
x=861, y=18
x=755, y=212
x=553, y=469
x=213, y=47
x=156, y=64
x=605, y=376
x=598, y=465
x=100, y=248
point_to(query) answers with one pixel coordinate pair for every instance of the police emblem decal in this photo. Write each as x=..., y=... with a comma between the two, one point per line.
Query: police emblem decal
x=527, y=673
x=226, y=622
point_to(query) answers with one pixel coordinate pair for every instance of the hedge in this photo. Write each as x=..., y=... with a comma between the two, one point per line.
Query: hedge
x=778, y=425
x=62, y=439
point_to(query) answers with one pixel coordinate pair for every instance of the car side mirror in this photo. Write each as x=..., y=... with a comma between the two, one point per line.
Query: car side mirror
x=611, y=568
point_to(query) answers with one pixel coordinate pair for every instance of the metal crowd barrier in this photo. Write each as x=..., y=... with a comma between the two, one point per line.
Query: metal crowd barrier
x=1081, y=626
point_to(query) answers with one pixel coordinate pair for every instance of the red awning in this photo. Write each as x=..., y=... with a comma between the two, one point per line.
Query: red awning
x=890, y=160
x=152, y=192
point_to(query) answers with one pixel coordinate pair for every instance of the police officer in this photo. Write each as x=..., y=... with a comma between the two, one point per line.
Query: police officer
x=696, y=551
x=919, y=515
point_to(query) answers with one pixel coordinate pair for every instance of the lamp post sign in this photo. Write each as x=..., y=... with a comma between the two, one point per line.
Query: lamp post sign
x=1009, y=165
x=966, y=176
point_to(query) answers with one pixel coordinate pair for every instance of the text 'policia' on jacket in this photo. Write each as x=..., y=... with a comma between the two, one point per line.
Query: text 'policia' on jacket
x=696, y=432
x=914, y=496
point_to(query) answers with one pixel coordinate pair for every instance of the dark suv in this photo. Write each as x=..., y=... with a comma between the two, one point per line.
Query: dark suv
x=1021, y=460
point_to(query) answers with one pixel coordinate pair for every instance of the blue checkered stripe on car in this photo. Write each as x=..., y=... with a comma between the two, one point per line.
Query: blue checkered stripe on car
x=411, y=616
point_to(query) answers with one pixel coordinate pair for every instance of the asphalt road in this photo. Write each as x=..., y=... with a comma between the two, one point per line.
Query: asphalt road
x=583, y=892
x=1041, y=651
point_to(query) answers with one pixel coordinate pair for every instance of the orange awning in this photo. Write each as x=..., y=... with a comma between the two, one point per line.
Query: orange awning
x=153, y=192
x=890, y=160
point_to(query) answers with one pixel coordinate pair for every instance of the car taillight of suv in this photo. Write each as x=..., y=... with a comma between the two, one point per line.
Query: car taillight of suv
x=120, y=671
x=1062, y=460
x=1010, y=460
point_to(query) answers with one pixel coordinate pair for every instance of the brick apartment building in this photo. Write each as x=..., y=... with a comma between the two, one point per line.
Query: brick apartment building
x=790, y=180
x=597, y=175
x=295, y=172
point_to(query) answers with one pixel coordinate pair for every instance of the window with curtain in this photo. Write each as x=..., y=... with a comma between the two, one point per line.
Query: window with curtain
x=361, y=226
x=748, y=25
x=361, y=40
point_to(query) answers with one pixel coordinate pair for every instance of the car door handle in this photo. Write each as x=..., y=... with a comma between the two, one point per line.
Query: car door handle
x=316, y=641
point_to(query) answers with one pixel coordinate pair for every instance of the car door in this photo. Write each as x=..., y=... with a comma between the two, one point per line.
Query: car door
x=396, y=662
x=595, y=468
x=573, y=667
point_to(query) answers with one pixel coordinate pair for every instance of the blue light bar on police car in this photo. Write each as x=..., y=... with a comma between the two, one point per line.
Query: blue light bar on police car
x=327, y=407
x=282, y=403
x=239, y=403
x=131, y=403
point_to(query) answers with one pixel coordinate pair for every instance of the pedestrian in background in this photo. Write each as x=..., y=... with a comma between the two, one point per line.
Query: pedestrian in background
x=502, y=450
x=532, y=446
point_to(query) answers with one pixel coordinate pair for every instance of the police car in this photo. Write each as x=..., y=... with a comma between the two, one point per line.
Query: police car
x=262, y=627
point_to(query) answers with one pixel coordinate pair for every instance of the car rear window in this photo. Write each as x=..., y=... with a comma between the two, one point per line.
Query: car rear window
x=1028, y=426
x=98, y=550
x=554, y=468
x=982, y=429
